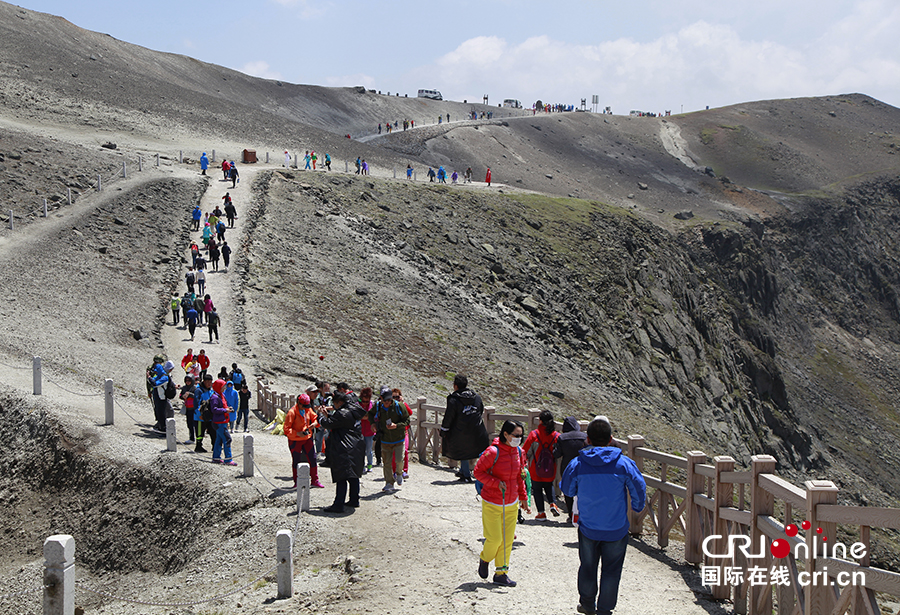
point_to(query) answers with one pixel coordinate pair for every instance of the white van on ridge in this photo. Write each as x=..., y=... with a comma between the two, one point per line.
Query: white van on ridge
x=512, y=103
x=432, y=94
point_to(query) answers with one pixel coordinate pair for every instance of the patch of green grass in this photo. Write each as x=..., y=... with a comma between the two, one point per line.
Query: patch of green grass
x=260, y=584
x=708, y=135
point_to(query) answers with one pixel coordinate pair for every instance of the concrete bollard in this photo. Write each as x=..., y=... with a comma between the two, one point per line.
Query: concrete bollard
x=302, y=487
x=59, y=575
x=415, y=175
x=296, y=158
x=124, y=170
x=45, y=208
x=140, y=163
x=99, y=183
x=180, y=156
x=157, y=160
x=214, y=156
x=36, y=375
x=69, y=195
x=394, y=169
x=267, y=157
x=108, y=398
x=171, y=444
x=346, y=167
x=284, y=547
x=11, y=223
x=248, y=454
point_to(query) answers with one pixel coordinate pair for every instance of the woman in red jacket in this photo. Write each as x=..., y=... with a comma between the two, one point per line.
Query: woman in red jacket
x=542, y=464
x=500, y=470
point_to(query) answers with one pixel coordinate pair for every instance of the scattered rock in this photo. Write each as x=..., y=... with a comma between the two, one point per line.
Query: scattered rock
x=452, y=238
x=535, y=224
x=548, y=176
x=557, y=394
x=137, y=334
x=119, y=221
x=109, y=145
x=362, y=291
x=642, y=186
x=384, y=207
x=684, y=214
x=487, y=248
x=529, y=303
x=709, y=171
x=832, y=114
x=631, y=195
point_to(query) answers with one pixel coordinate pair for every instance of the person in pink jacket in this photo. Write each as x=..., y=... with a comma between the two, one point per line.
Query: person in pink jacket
x=499, y=469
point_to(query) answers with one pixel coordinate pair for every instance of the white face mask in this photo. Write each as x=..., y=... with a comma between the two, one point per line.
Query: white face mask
x=514, y=442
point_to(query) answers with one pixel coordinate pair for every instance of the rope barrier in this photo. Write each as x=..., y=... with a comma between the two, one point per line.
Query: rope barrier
x=116, y=401
x=50, y=380
x=256, y=465
x=22, y=593
x=177, y=604
x=13, y=366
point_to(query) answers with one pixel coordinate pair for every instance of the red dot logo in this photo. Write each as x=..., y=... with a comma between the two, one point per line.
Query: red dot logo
x=818, y=530
x=806, y=525
x=780, y=548
x=791, y=530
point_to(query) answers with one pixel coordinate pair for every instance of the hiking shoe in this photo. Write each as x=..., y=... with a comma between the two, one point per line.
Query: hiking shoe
x=521, y=517
x=187, y=442
x=199, y=449
x=405, y=475
x=217, y=461
x=333, y=509
x=554, y=510
x=231, y=463
x=541, y=517
x=585, y=609
x=317, y=485
x=482, y=568
x=353, y=504
x=504, y=580
x=388, y=488
x=398, y=478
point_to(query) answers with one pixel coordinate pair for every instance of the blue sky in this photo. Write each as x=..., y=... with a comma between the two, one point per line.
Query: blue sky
x=652, y=55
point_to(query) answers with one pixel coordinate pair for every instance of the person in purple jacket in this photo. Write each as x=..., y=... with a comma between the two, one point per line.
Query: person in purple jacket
x=220, y=415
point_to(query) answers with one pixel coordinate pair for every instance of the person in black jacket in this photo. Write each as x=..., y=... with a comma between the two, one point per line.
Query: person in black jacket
x=463, y=431
x=347, y=449
x=568, y=444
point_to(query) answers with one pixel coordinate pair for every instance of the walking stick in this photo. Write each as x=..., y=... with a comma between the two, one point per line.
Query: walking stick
x=503, y=527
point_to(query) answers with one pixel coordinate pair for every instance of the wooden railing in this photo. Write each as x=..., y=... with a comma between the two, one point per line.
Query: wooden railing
x=691, y=500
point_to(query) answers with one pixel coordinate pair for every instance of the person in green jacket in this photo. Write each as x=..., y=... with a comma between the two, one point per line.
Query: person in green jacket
x=391, y=420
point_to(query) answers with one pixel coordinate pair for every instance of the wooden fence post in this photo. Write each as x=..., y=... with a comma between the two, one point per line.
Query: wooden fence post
x=724, y=499
x=695, y=484
x=636, y=519
x=533, y=414
x=421, y=432
x=59, y=575
x=761, y=503
x=819, y=594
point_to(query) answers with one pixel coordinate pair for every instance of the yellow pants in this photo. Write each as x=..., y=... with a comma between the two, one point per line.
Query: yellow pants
x=499, y=523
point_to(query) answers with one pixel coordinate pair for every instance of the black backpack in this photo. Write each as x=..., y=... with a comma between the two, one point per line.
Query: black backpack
x=171, y=391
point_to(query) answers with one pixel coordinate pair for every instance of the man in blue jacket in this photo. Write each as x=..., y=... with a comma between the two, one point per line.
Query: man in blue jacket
x=602, y=478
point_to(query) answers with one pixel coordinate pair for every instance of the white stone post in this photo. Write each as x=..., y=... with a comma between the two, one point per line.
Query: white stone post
x=157, y=160
x=214, y=156
x=108, y=398
x=171, y=444
x=124, y=170
x=284, y=546
x=394, y=170
x=36, y=375
x=302, y=487
x=59, y=575
x=99, y=183
x=180, y=156
x=415, y=175
x=11, y=220
x=248, y=454
x=140, y=163
x=296, y=163
x=346, y=167
x=69, y=195
x=267, y=157
x=45, y=208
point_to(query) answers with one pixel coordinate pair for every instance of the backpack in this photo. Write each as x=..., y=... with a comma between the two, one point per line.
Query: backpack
x=205, y=411
x=544, y=462
x=171, y=391
x=189, y=277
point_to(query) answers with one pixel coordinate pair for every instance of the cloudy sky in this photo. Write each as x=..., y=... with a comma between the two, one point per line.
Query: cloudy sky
x=652, y=55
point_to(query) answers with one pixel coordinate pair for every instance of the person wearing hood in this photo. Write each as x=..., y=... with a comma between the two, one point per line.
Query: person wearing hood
x=299, y=424
x=602, y=479
x=231, y=396
x=542, y=466
x=220, y=415
x=157, y=383
x=204, y=163
x=499, y=469
x=348, y=449
x=464, y=434
x=570, y=441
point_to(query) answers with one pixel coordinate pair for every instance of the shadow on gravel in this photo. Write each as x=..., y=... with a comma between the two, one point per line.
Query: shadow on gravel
x=474, y=586
x=688, y=574
x=444, y=483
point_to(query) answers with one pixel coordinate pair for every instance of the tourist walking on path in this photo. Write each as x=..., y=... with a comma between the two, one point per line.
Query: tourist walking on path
x=463, y=433
x=391, y=420
x=602, y=479
x=220, y=414
x=499, y=469
x=287, y=160
x=243, y=406
x=347, y=450
x=487, y=177
x=226, y=168
x=233, y=174
x=542, y=465
x=204, y=163
x=203, y=413
x=298, y=427
x=570, y=441
x=368, y=431
x=226, y=254
x=196, y=214
x=175, y=304
x=230, y=211
x=212, y=324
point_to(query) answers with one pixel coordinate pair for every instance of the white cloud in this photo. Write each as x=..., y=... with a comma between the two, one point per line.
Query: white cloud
x=260, y=68
x=702, y=63
x=351, y=80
